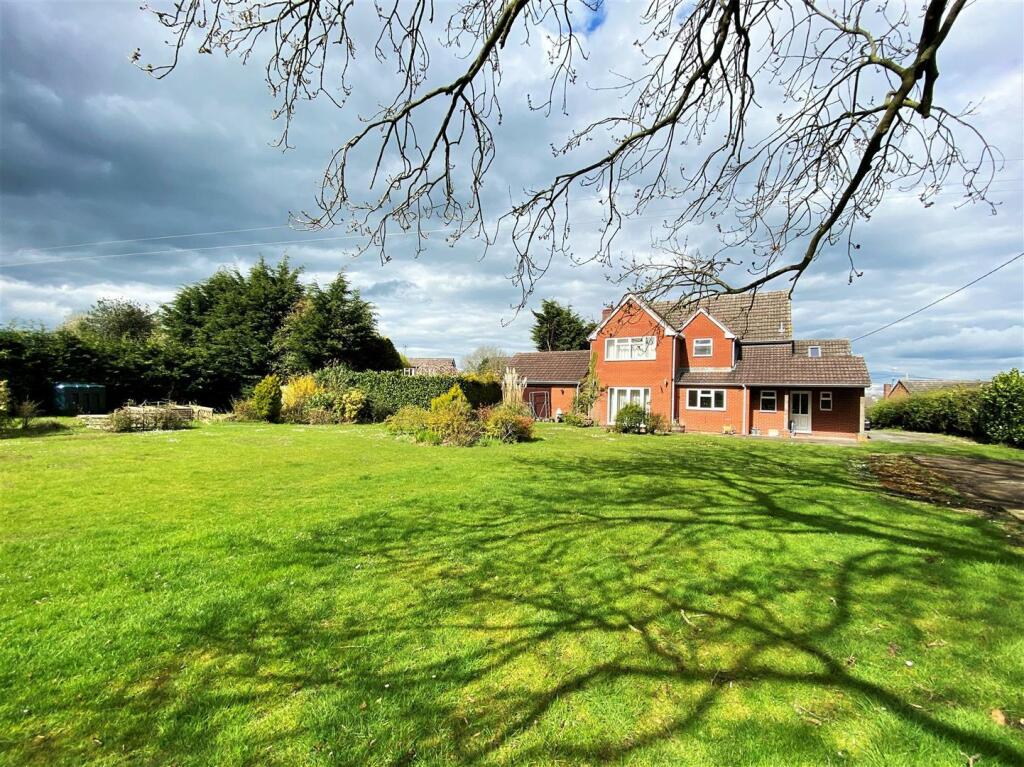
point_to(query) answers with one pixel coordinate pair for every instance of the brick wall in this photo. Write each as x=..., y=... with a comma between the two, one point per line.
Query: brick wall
x=711, y=420
x=701, y=326
x=843, y=419
x=766, y=421
x=657, y=375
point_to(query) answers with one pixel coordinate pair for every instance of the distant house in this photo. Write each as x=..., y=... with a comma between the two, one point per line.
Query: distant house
x=552, y=379
x=431, y=366
x=904, y=387
x=723, y=363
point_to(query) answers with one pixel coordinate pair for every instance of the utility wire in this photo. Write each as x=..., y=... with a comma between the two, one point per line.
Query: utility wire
x=651, y=214
x=161, y=237
x=939, y=300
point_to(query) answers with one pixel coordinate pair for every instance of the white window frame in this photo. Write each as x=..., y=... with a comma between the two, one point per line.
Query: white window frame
x=629, y=344
x=811, y=352
x=710, y=344
x=701, y=393
x=821, y=401
x=644, y=393
x=775, y=401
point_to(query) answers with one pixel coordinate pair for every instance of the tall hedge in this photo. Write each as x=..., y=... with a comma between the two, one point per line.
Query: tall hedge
x=387, y=391
x=1001, y=409
x=993, y=412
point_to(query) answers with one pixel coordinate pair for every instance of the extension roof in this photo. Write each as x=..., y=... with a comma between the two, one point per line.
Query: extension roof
x=787, y=364
x=551, y=367
x=919, y=386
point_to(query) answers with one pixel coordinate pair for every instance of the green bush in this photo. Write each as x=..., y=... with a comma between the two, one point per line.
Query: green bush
x=265, y=400
x=26, y=410
x=386, y=392
x=453, y=399
x=452, y=418
x=320, y=416
x=150, y=419
x=243, y=410
x=1001, y=409
x=352, y=405
x=946, y=411
x=121, y=420
x=410, y=419
x=508, y=423
x=577, y=419
x=657, y=423
x=629, y=418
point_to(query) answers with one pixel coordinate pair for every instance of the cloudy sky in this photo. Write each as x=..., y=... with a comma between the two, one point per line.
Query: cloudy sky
x=94, y=151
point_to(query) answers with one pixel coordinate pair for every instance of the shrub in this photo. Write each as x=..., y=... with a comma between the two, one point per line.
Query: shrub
x=243, y=410
x=451, y=418
x=26, y=410
x=320, y=416
x=508, y=423
x=266, y=399
x=657, y=424
x=297, y=391
x=410, y=419
x=629, y=418
x=155, y=418
x=573, y=418
x=121, y=420
x=1001, y=409
x=351, y=405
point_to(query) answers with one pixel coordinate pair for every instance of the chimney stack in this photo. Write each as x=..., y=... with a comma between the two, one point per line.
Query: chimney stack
x=886, y=388
x=606, y=312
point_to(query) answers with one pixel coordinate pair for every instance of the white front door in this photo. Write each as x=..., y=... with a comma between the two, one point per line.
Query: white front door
x=800, y=411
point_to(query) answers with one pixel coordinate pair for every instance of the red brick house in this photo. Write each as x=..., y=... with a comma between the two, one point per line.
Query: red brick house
x=724, y=363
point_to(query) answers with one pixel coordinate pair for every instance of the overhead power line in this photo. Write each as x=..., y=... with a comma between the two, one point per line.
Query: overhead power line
x=943, y=298
x=1017, y=186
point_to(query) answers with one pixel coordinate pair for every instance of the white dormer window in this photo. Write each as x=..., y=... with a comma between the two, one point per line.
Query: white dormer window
x=702, y=347
x=814, y=351
x=639, y=348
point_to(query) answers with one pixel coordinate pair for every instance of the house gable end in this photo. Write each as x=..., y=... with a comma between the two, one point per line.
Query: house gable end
x=628, y=301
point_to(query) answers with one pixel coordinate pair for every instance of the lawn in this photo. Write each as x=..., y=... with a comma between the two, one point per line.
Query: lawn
x=243, y=594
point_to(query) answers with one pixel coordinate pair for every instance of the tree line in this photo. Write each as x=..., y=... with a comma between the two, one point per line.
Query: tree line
x=213, y=341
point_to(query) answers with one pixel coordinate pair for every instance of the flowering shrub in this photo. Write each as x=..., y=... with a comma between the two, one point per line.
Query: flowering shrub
x=508, y=422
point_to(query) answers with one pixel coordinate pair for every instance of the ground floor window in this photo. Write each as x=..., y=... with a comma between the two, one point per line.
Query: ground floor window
x=826, y=400
x=769, y=402
x=705, y=399
x=619, y=397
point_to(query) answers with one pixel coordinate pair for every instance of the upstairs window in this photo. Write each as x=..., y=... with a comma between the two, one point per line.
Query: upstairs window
x=814, y=351
x=702, y=347
x=639, y=348
x=705, y=399
x=769, y=402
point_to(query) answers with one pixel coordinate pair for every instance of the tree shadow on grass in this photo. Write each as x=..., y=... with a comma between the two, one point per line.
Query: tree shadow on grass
x=463, y=630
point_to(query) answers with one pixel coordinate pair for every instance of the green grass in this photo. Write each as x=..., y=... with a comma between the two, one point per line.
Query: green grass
x=244, y=594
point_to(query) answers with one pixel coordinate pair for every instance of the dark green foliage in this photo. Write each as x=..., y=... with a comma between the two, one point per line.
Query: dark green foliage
x=265, y=400
x=218, y=340
x=947, y=411
x=332, y=324
x=629, y=418
x=1001, y=409
x=559, y=328
x=388, y=391
x=228, y=323
x=409, y=419
x=34, y=359
x=112, y=320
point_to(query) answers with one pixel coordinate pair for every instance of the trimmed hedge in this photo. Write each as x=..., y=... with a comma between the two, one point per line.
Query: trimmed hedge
x=388, y=391
x=946, y=411
x=993, y=412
